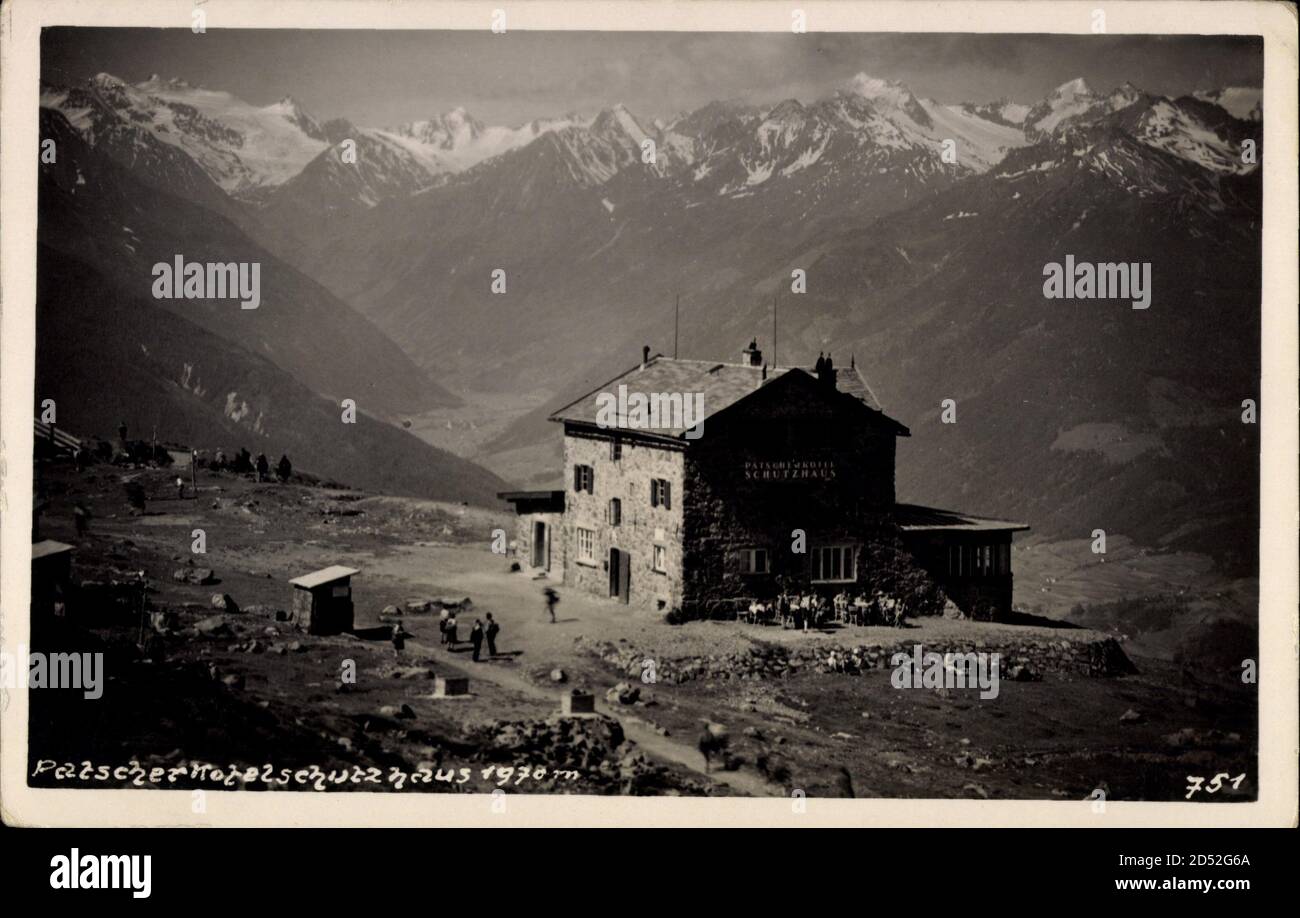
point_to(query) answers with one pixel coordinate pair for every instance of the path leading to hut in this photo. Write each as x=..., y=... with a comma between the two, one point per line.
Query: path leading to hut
x=515, y=601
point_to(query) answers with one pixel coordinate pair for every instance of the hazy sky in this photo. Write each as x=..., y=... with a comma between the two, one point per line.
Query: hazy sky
x=381, y=78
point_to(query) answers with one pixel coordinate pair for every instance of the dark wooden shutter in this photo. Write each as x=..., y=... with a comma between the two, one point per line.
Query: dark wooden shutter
x=577, y=478
x=654, y=492
x=668, y=494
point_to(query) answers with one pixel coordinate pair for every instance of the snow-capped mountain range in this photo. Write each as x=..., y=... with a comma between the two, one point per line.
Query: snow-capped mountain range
x=923, y=227
x=868, y=124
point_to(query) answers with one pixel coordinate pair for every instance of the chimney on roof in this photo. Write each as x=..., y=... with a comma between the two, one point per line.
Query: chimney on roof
x=752, y=356
x=645, y=355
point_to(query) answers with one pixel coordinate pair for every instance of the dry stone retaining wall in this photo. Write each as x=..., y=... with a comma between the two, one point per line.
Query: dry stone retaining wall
x=1023, y=660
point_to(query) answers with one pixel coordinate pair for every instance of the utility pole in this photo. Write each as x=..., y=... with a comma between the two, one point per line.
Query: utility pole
x=677, y=309
x=773, y=330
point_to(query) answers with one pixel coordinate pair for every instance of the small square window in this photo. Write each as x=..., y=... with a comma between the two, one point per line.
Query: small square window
x=753, y=561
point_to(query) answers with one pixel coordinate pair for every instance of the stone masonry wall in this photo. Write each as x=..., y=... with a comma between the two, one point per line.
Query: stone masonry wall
x=642, y=526
x=833, y=479
x=524, y=541
x=1023, y=660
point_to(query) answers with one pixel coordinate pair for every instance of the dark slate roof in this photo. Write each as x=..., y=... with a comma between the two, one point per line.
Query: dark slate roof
x=722, y=384
x=915, y=518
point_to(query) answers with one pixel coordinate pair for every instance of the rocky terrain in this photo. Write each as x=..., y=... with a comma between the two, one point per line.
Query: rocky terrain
x=211, y=684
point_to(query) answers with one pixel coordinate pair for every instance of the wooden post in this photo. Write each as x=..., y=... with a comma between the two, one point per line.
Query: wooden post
x=774, y=331
x=677, y=308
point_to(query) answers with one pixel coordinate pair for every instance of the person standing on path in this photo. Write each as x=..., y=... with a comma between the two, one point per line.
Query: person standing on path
x=451, y=632
x=552, y=598
x=442, y=625
x=476, y=639
x=491, y=632
x=82, y=518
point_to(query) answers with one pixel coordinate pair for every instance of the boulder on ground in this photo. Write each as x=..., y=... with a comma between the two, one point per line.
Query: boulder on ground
x=417, y=606
x=163, y=621
x=200, y=576
x=225, y=602
x=559, y=675
x=1130, y=717
x=268, y=612
x=623, y=693
x=213, y=627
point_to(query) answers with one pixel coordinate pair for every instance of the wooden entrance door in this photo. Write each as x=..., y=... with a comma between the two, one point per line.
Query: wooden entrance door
x=620, y=575
x=541, y=546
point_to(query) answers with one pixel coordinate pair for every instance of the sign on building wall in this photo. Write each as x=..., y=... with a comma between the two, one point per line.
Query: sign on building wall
x=790, y=470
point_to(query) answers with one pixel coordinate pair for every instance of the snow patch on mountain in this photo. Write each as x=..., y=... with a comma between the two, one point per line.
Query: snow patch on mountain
x=981, y=143
x=1168, y=127
x=241, y=146
x=456, y=140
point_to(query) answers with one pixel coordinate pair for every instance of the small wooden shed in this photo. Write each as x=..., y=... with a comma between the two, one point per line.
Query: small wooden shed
x=322, y=600
x=51, y=578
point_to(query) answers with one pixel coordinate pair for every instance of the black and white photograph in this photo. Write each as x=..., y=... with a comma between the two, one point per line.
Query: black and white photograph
x=672, y=413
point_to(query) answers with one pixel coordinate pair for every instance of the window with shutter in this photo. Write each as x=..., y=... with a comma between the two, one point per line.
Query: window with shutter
x=668, y=494
x=615, y=511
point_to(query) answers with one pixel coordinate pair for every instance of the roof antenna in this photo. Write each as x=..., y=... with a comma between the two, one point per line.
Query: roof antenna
x=774, y=330
x=677, y=308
